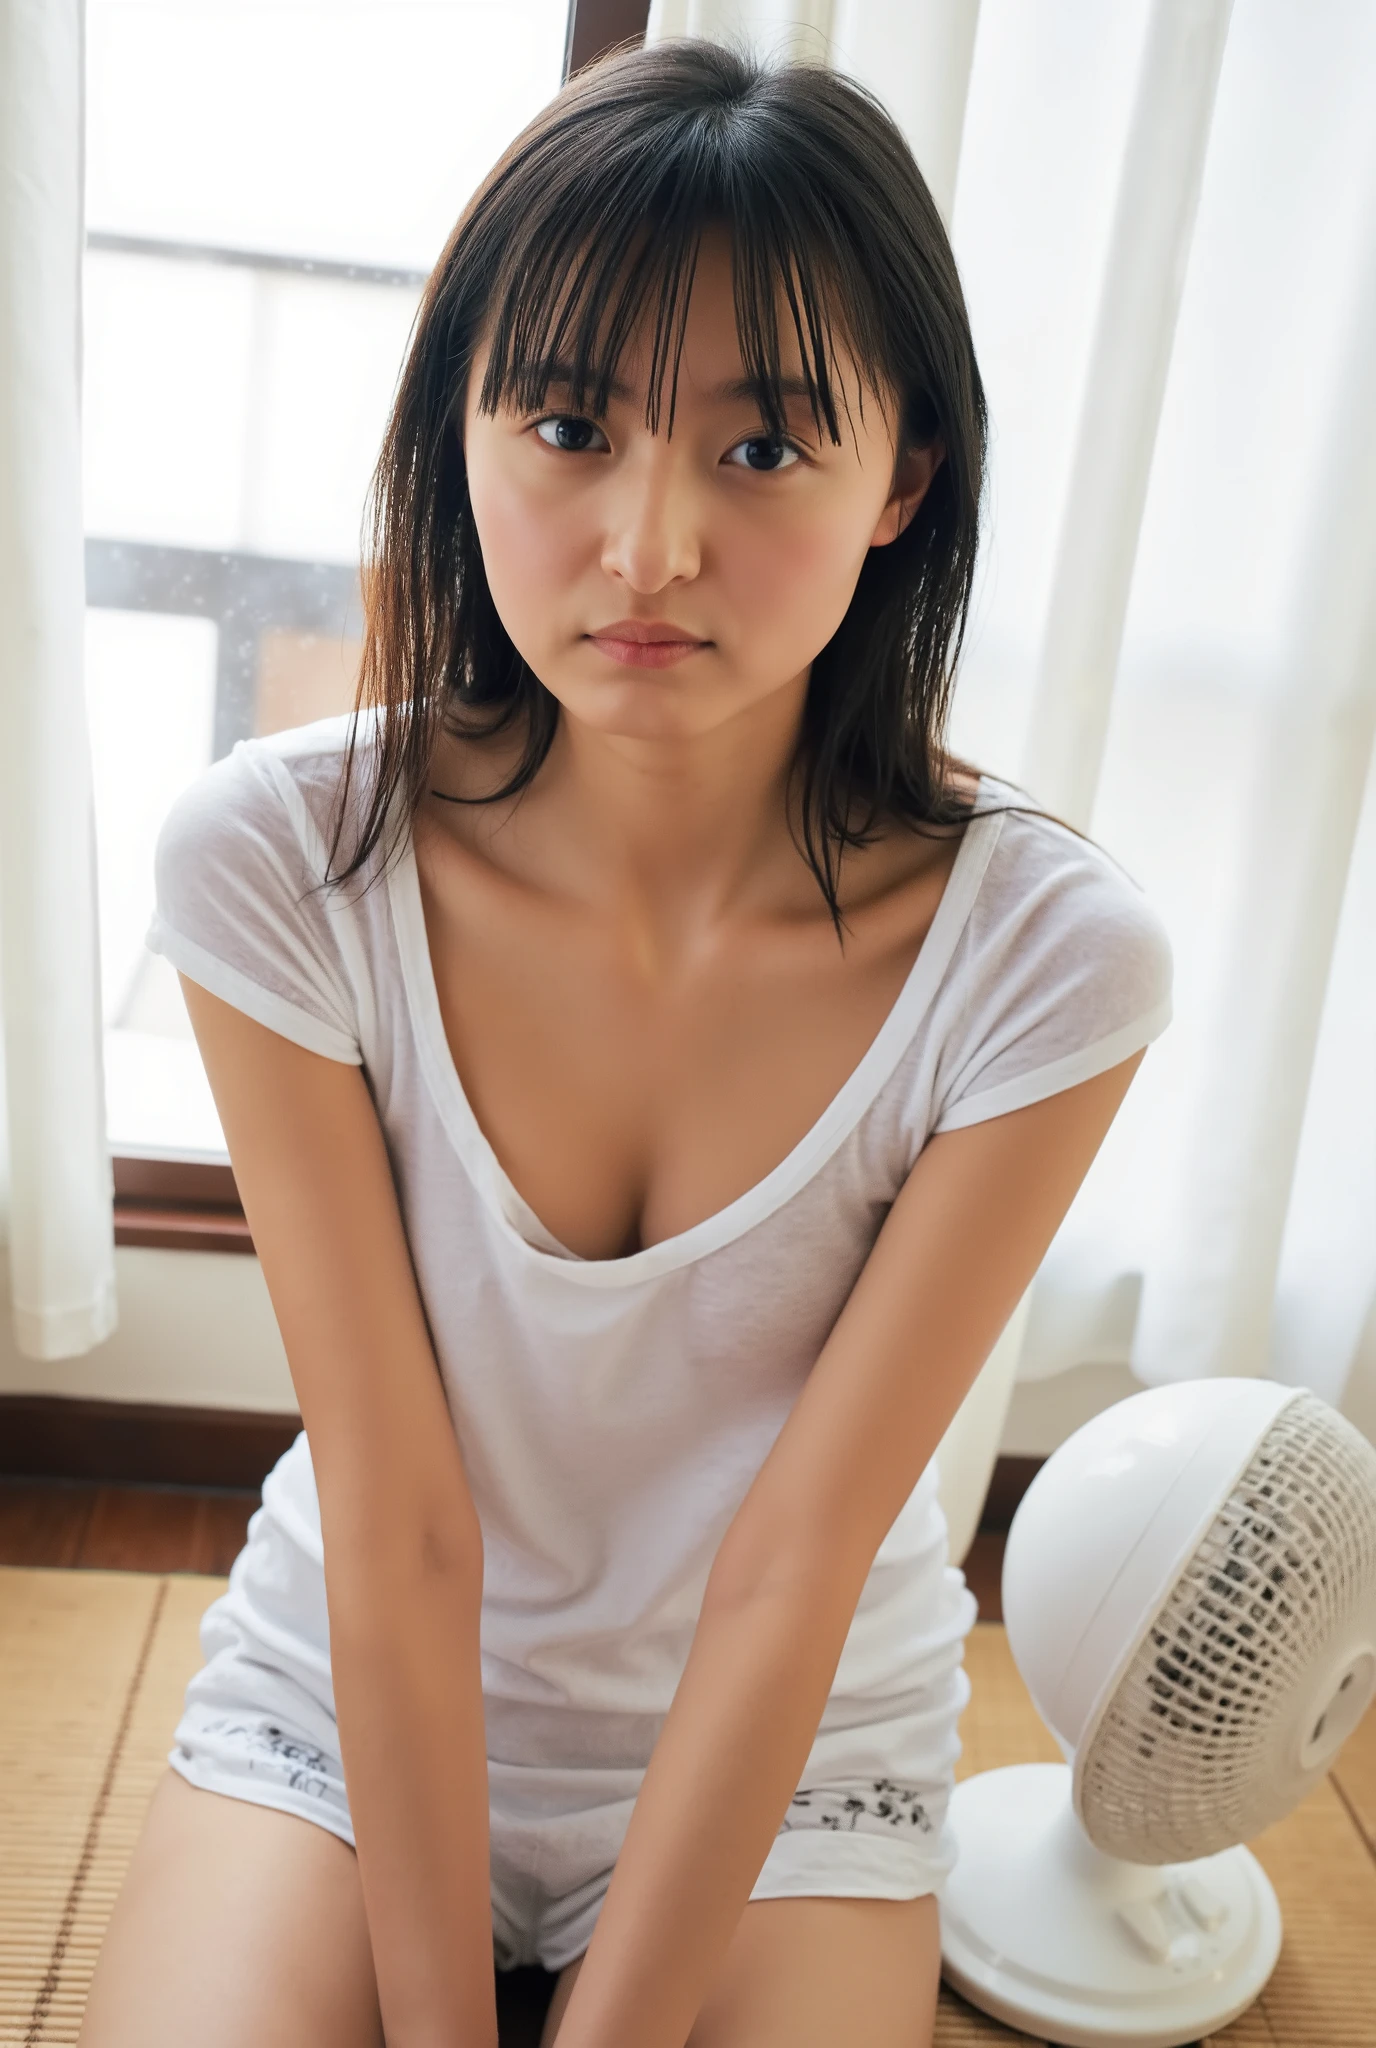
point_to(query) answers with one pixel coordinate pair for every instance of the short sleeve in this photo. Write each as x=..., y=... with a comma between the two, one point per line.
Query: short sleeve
x=239, y=910
x=1067, y=972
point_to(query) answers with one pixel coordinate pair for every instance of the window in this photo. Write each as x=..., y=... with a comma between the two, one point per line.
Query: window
x=268, y=184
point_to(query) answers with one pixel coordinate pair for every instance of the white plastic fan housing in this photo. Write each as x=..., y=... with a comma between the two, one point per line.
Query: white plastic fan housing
x=1105, y=1526
x=1259, y=1663
x=1190, y=1593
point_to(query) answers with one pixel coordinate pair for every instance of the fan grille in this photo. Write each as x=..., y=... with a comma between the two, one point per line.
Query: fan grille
x=1196, y=1749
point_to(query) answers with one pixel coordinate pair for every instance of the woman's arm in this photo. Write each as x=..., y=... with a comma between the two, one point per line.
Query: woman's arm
x=403, y=1547
x=957, y=1250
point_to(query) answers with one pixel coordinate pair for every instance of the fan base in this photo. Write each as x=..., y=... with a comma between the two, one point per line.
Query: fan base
x=1047, y=1934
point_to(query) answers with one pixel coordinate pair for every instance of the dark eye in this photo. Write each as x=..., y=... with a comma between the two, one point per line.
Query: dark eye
x=762, y=454
x=570, y=433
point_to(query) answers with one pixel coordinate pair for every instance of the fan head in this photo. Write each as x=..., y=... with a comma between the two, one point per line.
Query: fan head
x=1190, y=1594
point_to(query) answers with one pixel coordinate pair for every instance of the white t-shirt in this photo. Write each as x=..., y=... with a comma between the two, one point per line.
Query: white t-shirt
x=613, y=1412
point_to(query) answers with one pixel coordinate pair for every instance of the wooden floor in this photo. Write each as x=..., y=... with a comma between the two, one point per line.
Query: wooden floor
x=121, y=1528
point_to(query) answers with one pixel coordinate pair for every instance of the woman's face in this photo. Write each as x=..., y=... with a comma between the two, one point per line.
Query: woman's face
x=745, y=551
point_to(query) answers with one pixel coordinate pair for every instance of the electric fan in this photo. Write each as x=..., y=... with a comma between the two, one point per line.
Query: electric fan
x=1190, y=1594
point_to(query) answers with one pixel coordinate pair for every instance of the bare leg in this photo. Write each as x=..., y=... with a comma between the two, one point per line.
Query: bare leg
x=816, y=1973
x=237, y=1927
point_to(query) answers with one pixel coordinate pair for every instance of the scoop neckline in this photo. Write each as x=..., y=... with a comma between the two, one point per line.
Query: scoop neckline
x=513, y=1215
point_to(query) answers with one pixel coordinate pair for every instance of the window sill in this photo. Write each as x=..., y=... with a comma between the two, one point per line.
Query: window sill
x=179, y=1205
x=181, y=1229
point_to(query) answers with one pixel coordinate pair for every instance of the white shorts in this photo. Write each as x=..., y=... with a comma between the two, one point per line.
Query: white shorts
x=868, y=1819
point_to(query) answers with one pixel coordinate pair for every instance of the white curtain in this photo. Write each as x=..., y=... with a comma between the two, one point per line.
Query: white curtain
x=56, y=1202
x=1165, y=219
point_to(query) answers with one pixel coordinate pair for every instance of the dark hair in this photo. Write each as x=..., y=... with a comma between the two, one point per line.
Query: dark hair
x=594, y=212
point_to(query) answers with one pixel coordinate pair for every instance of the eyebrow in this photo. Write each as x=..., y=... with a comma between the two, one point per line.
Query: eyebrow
x=561, y=374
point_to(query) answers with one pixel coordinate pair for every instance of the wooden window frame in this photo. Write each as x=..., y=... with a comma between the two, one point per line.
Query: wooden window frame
x=181, y=1205
x=596, y=25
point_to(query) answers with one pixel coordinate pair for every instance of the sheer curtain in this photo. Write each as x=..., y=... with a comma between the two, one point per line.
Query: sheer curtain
x=1165, y=218
x=56, y=1202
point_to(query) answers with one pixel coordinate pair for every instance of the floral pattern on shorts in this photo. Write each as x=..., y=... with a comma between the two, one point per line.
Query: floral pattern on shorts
x=302, y=1766
x=883, y=1804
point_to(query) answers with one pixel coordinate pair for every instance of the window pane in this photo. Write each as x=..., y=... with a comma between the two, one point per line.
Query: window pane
x=268, y=183
x=351, y=129
x=166, y=348
x=150, y=698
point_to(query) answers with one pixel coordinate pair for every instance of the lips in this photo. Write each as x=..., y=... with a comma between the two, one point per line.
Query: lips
x=646, y=643
x=646, y=633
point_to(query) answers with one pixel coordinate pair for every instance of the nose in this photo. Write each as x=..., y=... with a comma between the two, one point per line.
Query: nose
x=650, y=522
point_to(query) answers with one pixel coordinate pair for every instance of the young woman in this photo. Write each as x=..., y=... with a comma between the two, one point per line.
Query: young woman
x=654, y=1070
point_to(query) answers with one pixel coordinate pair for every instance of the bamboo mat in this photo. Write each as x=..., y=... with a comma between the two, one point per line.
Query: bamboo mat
x=92, y=1666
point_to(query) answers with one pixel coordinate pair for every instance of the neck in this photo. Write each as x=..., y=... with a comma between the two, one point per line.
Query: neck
x=673, y=833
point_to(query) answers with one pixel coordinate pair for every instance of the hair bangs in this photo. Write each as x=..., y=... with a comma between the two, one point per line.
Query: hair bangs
x=577, y=286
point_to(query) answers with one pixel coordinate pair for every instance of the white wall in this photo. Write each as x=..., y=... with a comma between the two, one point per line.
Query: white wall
x=1043, y=1413
x=196, y=1329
